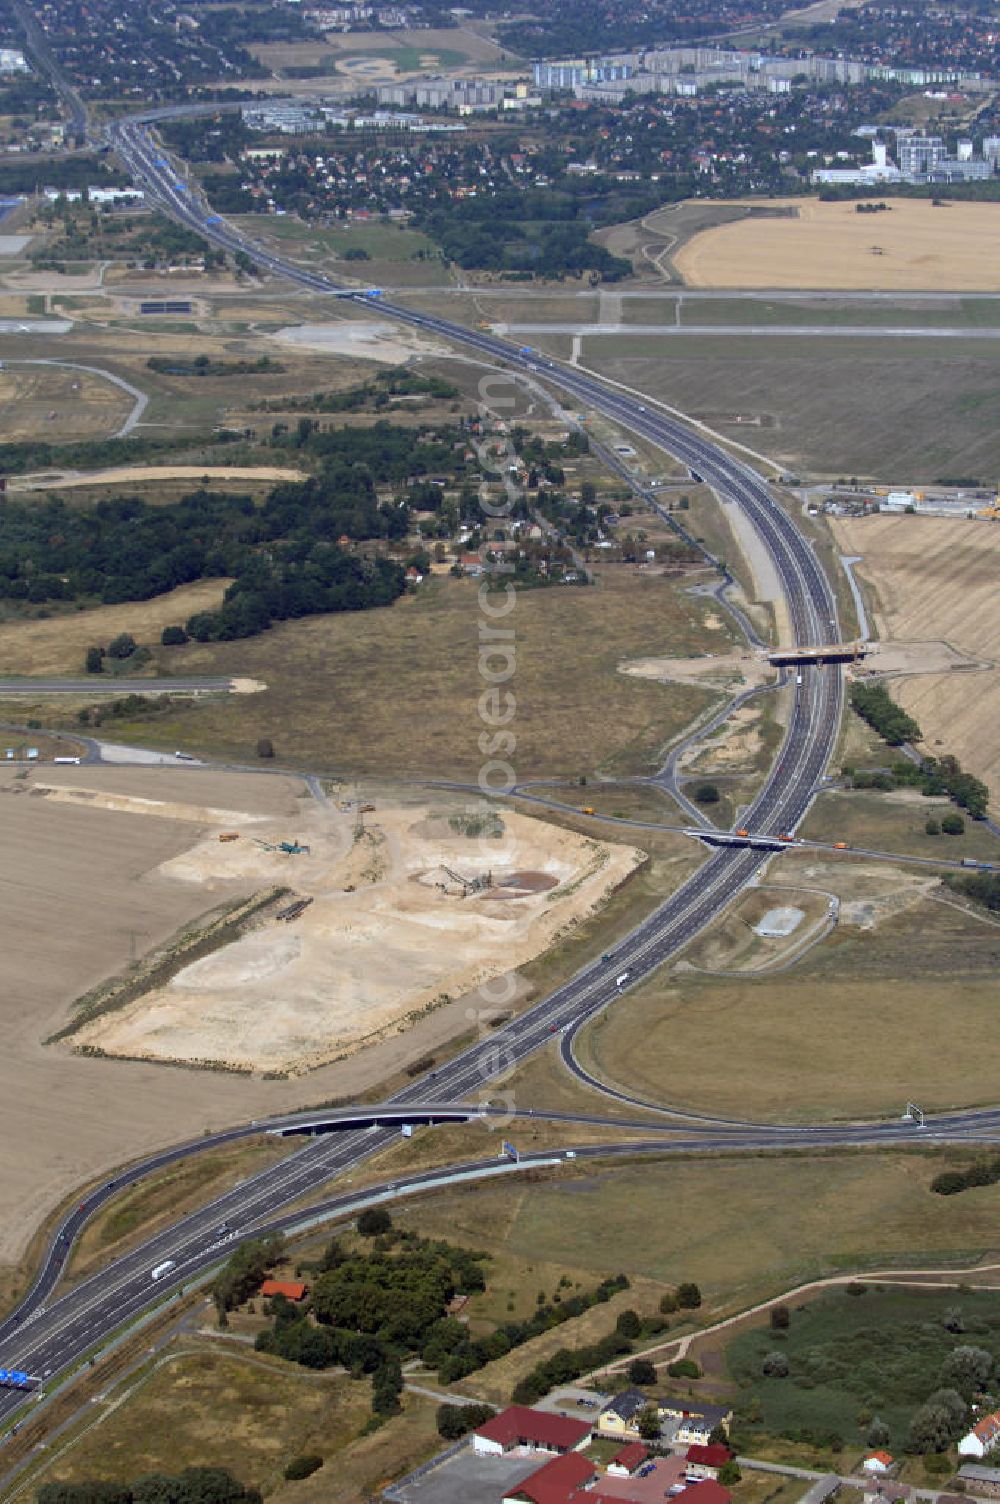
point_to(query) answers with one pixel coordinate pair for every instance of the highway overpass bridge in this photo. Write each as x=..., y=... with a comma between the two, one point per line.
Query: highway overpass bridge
x=827, y=652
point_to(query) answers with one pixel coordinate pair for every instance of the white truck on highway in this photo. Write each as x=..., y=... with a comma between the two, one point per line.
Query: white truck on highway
x=160, y=1271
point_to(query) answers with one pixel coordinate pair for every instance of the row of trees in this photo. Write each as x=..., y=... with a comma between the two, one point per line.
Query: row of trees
x=457, y=1354
x=373, y=394
x=195, y=1485
x=934, y=775
x=875, y=705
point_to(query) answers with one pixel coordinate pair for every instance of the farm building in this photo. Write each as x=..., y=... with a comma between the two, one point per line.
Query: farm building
x=519, y=1428
x=556, y=1482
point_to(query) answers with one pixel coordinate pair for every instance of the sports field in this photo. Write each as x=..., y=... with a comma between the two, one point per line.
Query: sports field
x=914, y=246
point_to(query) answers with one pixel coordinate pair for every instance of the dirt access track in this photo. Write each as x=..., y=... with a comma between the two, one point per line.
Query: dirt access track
x=124, y=475
x=89, y=883
x=937, y=577
x=915, y=246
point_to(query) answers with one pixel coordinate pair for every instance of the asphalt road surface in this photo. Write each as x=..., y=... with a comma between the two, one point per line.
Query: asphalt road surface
x=50, y=1333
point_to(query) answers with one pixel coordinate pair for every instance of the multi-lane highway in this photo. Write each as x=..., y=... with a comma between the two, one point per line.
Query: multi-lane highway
x=49, y=1334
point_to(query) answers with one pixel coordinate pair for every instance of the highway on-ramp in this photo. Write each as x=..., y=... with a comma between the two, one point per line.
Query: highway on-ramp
x=49, y=1335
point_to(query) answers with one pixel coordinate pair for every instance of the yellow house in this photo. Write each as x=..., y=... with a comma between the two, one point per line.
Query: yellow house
x=620, y=1417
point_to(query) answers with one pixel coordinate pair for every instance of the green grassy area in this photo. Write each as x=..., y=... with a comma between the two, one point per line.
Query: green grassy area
x=881, y=1352
x=827, y=399
x=743, y=1228
x=409, y=59
x=896, y=822
x=383, y=241
x=395, y=691
x=801, y=1041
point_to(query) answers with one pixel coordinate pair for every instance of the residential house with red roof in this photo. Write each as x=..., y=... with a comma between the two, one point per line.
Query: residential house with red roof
x=984, y=1437
x=628, y=1461
x=705, y=1461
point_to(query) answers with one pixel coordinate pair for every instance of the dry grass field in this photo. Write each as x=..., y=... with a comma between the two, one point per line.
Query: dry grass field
x=915, y=246
x=394, y=692
x=742, y=1228
x=937, y=577
x=58, y=644
x=202, y=1403
x=60, y=405
x=819, y=407
x=800, y=1045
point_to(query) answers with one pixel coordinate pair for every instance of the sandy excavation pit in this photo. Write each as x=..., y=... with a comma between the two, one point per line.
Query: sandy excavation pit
x=405, y=915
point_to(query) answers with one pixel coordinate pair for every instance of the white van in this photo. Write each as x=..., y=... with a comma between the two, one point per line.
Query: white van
x=621, y=980
x=162, y=1270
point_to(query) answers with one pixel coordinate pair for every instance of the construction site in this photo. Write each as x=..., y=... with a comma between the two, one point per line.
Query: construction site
x=385, y=912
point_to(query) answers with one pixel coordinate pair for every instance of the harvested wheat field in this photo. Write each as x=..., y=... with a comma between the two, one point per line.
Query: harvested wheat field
x=101, y=865
x=391, y=931
x=82, y=891
x=937, y=577
x=913, y=247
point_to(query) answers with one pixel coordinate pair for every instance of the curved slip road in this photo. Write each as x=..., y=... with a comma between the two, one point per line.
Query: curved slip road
x=48, y=1339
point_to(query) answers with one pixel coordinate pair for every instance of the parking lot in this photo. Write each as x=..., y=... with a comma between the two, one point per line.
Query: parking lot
x=467, y=1479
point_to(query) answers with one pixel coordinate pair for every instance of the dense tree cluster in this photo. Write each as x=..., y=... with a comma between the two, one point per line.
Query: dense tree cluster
x=92, y=454
x=952, y=1182
x=455, y=1421
x=367, y=1310
x=285, y=557
x=535, y=232
x=195, y=1485
x=574, y=28
x=243, y=1273
x=983, y=887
